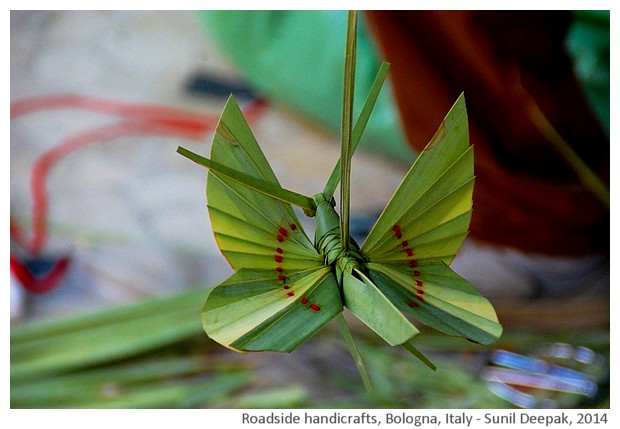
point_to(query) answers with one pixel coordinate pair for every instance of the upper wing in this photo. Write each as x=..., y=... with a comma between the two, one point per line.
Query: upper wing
x=252, y=230
x=282, y=292
x=428, y=215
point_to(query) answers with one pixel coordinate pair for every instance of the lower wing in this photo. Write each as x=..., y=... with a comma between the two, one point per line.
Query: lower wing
x=435, y=295
x=254, y=311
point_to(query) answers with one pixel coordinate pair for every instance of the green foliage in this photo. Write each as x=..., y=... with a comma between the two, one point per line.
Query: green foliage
x=185, y=370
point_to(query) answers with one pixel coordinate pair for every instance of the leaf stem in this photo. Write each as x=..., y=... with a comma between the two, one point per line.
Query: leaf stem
x=590, y=180
x=348, y=339
x=255, y=183
x=360, y=126
x=417, y=353
x=347, y=119
x=587, y=176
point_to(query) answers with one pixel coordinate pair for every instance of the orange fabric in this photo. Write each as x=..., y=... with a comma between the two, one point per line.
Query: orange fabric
x=525, y=196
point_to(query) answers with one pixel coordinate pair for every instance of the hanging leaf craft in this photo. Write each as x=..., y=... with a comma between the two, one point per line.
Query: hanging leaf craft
x=287, y=287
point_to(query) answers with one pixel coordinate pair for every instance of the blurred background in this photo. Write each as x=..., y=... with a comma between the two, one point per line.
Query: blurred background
x=111, y=249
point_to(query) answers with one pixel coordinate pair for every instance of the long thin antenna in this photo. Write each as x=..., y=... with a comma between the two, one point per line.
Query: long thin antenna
x=358, y=128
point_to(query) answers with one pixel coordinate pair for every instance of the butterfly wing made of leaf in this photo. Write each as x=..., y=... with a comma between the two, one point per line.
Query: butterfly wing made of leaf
x=374, y=309
x=428, y=216
x=252, y=311
x=435, y=295
x=253, y=230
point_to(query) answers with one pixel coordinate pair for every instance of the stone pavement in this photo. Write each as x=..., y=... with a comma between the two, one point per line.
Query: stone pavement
x=130, y=212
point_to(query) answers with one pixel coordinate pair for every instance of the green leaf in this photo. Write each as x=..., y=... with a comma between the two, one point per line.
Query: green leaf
x=417, y=353
x=357, y=357
x=267, y=188
x=437, y=296
x=436, y=190
x=249, y=216
x=363, y=298
x=347, y=120
x=359, y=127
x=51, y=346
x=127, y=385
x=253, y=310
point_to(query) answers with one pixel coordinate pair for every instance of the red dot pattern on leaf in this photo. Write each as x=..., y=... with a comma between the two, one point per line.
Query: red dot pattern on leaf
x=404, y=245
x=278, y=257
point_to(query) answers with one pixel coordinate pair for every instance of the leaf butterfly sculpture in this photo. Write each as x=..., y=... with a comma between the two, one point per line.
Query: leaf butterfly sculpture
x=287, y=286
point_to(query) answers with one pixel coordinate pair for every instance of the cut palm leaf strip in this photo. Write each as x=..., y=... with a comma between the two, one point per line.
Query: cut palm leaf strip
x=48, y=347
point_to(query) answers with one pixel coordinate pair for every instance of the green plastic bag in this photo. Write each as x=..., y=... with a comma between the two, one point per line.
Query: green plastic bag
x=296, y=58
x=588, y=44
